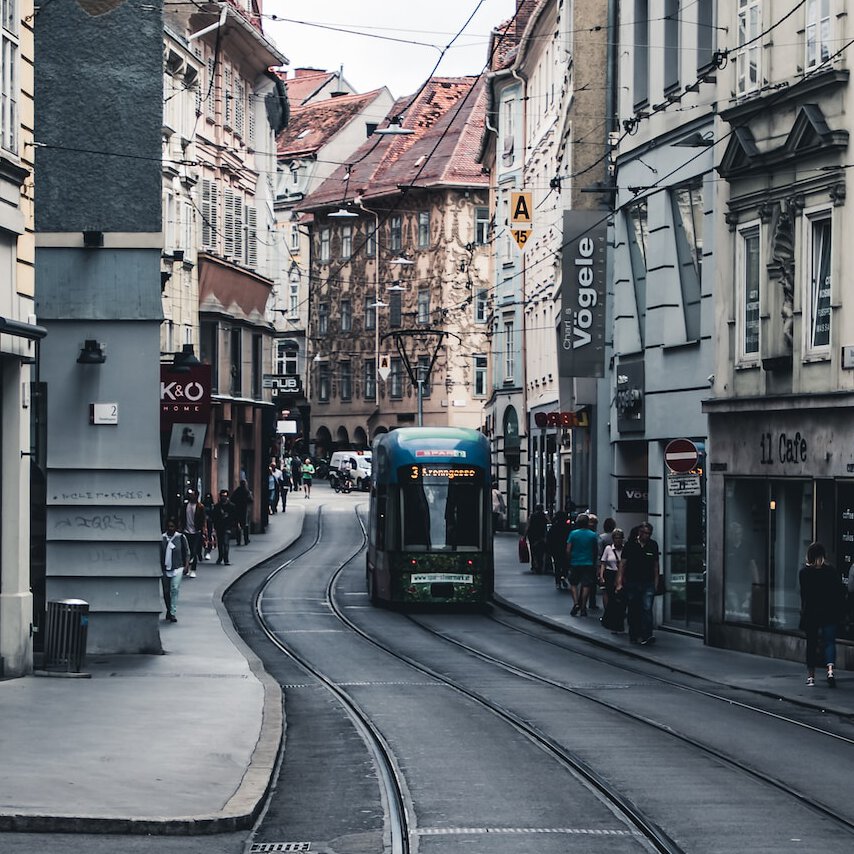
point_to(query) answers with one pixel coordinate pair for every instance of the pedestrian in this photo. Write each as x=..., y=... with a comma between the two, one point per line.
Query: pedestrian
x=277, y=474
x=582, y=559
x=192, y=526
x=272, y=490
x=223, y=517
x=499, y=508
x=307, y=475
x=606, y=537
x=296, y=472
x=822, y=609
x=556, y=545
x=638, y=578
x=613, y=617
x=285, y=482
x=208, y=536
x=535, y=533
x=174, y=562
x=242, y=500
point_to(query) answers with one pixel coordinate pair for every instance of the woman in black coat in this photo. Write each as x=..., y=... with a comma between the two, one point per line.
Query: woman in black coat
x=556, y=544
x=822, y=608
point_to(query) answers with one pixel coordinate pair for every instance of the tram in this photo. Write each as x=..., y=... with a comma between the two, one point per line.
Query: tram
x=430, y=529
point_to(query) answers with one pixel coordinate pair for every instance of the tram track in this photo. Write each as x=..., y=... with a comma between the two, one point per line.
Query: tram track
x=805, y=800
x=392, y=787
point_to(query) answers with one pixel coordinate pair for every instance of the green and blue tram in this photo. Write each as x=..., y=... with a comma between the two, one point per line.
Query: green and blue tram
x=430, y=529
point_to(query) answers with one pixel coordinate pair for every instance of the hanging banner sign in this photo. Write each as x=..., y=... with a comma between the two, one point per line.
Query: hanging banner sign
x=581, y=330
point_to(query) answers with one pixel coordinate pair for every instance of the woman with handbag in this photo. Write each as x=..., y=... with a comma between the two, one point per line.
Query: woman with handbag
x=615, y=607
x=822, y=609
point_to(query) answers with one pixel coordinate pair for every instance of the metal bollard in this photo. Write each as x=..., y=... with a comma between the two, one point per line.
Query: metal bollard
x=65, y=635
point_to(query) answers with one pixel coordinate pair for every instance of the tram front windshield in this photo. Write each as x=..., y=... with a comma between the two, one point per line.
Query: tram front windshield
x=441, y=508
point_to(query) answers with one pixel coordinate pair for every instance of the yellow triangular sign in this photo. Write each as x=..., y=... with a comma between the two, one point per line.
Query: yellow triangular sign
x=521, y=237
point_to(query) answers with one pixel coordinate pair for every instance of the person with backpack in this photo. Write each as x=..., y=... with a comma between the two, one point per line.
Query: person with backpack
x=174, y=562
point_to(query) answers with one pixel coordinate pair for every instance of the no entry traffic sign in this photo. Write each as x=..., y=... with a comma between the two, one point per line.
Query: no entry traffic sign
x=681, y=455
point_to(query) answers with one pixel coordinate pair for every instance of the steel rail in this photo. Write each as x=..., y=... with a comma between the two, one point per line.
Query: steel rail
x=391, y=780
x=804, y=799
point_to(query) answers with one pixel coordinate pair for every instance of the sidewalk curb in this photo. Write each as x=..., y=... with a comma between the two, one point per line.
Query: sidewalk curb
x=246, y=802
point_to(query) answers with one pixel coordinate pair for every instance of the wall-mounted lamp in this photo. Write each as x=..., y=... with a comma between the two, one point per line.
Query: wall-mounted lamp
x=92, y=353
x=184, y=360
x=93, y=239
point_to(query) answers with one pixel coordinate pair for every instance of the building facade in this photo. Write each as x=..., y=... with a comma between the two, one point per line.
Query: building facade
x=19, y=336
x=397, y=259
x=222, y=251
x=781, y=469
x=324, y=130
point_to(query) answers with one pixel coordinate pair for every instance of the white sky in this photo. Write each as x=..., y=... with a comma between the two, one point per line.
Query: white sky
x=373, y=62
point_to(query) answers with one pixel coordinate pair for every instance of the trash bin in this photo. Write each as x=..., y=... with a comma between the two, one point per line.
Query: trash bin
x=65, y=635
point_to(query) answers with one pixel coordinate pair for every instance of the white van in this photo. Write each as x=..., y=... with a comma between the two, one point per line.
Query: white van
x=359, y=463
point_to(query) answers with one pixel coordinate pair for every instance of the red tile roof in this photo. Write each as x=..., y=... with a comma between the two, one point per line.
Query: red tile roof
x=312, y=125
x=303, y=86
x=447, y=116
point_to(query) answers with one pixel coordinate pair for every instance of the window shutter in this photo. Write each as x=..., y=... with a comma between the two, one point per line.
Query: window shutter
x=226, y=95
x=210, y=94
x=210, y=210
x=251, y=236
x=237, y=207
x=239, y=96
x=228, y=236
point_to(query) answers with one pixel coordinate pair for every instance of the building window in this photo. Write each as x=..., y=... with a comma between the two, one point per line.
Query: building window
x=749, y=48
x=394, y=310
x=705, y=33
x=370, y=379
x=233, y=231
x=396, y=237
x=209, y=351
x=324, y=245
x=480, y=376
x=226, y=96
x=9, y=77
x=424, y=229
x=766, y=522
x=817, y=32
x=345, y=388
x=508, y=132
x=638, y=233
x=239, y=105
x=370, y=313
x=287, y=358
x=257, y=365
x=422, y=372
x=481, y=226
x=818, y=285
x=323, y=318
x=481, y=306
x=346, y=241
x=323, y=382
x=295, y=238
x=251, y=236
x=509, y=350
x=396, y=378
x=346, y=316
x=236, y=362
x=641, y=56
x=422, y=314
x=748, y=259
x=210, y=97
x=371, y=241
x=672, y=54
x=688, y=219
x=293, y=295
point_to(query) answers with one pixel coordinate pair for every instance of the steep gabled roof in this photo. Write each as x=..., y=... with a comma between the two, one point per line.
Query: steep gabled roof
x=312, y=125
x=446, y=116
x=304, y=85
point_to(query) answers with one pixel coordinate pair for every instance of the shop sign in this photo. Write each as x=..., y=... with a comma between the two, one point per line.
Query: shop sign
x=543, y=420
x=633, y=495
x=683, y=485
x=185, y=396
x=581, y=331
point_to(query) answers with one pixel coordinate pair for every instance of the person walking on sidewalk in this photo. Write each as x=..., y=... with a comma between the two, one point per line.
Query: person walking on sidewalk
x=242, y=500
x=499, y=508
x=296, y=473
x=638, y=578
x=822, y=608
x=192, y=526
x=224, y=518
x=535, y=534
x=556, y=545
x=582, y=558
x=174, y=562
x=613, y=617
x=307, y=475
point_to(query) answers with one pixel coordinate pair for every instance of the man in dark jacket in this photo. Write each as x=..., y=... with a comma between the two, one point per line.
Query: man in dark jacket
x=224, y=518
x=538, y=525
x=241, y=498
